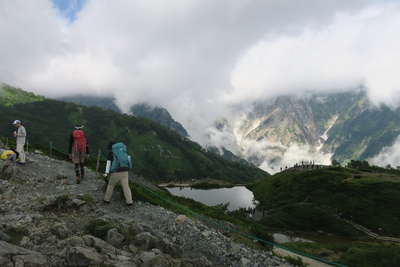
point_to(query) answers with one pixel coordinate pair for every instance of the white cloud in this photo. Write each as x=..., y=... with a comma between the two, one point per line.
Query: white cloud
x=388, y=155
x=196, y=57
x=355, y=50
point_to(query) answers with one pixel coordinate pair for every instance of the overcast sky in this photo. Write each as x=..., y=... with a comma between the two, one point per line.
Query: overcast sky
x=198, y=57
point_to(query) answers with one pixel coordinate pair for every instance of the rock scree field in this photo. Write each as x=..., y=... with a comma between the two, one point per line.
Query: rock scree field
x=49, y=220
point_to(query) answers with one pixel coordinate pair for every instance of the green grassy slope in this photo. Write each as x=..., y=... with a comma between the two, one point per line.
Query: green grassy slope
x=315, y=200
x=10, y=96
x=158, y=153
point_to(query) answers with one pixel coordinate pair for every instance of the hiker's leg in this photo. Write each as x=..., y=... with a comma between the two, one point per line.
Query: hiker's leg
x=21, y=152
x=82, y=166
x=110, y=187
x=125, y=187
x=77, y=170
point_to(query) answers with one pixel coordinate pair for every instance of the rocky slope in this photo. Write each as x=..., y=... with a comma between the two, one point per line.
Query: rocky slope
x=320, y=127
x=48, y=220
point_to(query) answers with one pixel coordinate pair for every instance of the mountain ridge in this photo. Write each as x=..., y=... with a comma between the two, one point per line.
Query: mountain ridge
x=159, y=153
x=323, y=127
x=144, y=110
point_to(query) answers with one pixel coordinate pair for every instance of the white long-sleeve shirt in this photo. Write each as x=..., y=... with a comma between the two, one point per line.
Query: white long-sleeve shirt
x=21, y=135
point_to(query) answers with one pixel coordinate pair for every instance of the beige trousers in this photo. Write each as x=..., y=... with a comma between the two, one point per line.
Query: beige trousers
x=115, y=178
x=20, y=150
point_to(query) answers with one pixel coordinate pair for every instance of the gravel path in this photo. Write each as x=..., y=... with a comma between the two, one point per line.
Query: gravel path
x=37, y=186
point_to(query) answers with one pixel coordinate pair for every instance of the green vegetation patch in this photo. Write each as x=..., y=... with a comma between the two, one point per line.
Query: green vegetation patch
x=10, y=96
x=16, y=233
x=99, y=227
x=354, y=254
x=319, y=201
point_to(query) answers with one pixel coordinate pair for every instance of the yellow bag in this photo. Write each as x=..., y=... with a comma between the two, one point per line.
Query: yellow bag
x=6, y=154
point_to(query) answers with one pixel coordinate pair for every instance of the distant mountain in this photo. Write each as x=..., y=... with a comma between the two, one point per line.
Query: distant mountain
x=155, y=113
x=320, y=127
x=158, y=153
x=160, y=115
x=93, y=101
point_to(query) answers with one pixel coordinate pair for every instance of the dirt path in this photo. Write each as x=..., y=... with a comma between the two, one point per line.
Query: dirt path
x=310, y=262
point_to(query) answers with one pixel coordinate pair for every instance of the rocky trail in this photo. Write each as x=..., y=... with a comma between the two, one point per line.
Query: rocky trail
x=46, y=219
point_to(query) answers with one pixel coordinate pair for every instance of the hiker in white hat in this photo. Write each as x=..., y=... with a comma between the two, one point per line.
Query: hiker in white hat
x=20, y=134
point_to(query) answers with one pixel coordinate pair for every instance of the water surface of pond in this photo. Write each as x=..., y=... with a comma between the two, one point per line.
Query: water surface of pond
x=238, y=196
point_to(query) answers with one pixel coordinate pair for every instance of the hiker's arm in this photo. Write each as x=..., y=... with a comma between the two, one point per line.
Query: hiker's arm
x=71, y=140
x=21, y=132
x=108, y=165
x=87, y=147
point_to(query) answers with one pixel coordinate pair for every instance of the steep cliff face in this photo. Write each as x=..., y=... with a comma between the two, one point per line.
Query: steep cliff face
x=282, y=131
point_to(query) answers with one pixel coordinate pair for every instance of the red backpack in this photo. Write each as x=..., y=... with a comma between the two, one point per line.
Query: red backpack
x=80, y=141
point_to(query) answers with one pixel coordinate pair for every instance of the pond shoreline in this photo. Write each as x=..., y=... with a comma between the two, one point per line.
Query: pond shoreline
x=207, y=184
x=235, y=197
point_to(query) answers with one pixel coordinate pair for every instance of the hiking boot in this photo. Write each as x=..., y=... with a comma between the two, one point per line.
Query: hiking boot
x=129, y=204
x=106, y=202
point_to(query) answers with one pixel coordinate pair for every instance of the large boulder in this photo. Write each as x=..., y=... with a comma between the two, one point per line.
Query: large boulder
x=146, y=241
x=4, y=237
x=7, y=170
x=80, y=256
x=114, y=237
x=60, y=230
x=11, y=255
x=99, y=244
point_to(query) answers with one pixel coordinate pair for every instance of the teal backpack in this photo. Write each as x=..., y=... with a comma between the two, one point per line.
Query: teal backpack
x=122, y=161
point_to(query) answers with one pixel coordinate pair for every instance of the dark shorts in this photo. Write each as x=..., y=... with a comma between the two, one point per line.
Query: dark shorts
x=78, y=157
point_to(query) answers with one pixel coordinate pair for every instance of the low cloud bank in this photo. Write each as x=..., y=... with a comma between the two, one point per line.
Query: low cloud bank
x=388, y=155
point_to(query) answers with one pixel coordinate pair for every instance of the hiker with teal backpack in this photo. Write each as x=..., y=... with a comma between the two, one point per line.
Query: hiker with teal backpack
x=118, y=165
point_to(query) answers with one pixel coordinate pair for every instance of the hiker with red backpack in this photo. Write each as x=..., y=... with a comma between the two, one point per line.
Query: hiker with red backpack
x=118, y=165
x=78, y=151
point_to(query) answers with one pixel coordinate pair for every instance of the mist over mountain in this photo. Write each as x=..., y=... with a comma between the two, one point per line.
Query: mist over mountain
x=159, y=153
x=93, y=101
x=285, y=130
x=144, y=110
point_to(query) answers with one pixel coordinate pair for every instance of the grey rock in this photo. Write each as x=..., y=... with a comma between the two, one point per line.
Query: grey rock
x=79, y=256
x=245, y=262
x=114, y=237
x=78, y=202
x=74, y=241
x=133, y=249
x=20, y=256
x=60, y=230
x=145, y=241
x=4, y=237
x=129, y=230
x=206, y=233
x=99, y=244
x=25, y=241
x=30, y=260
x=6, y=262
x=197, y=262
x=281, y=238
x=147, y=256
